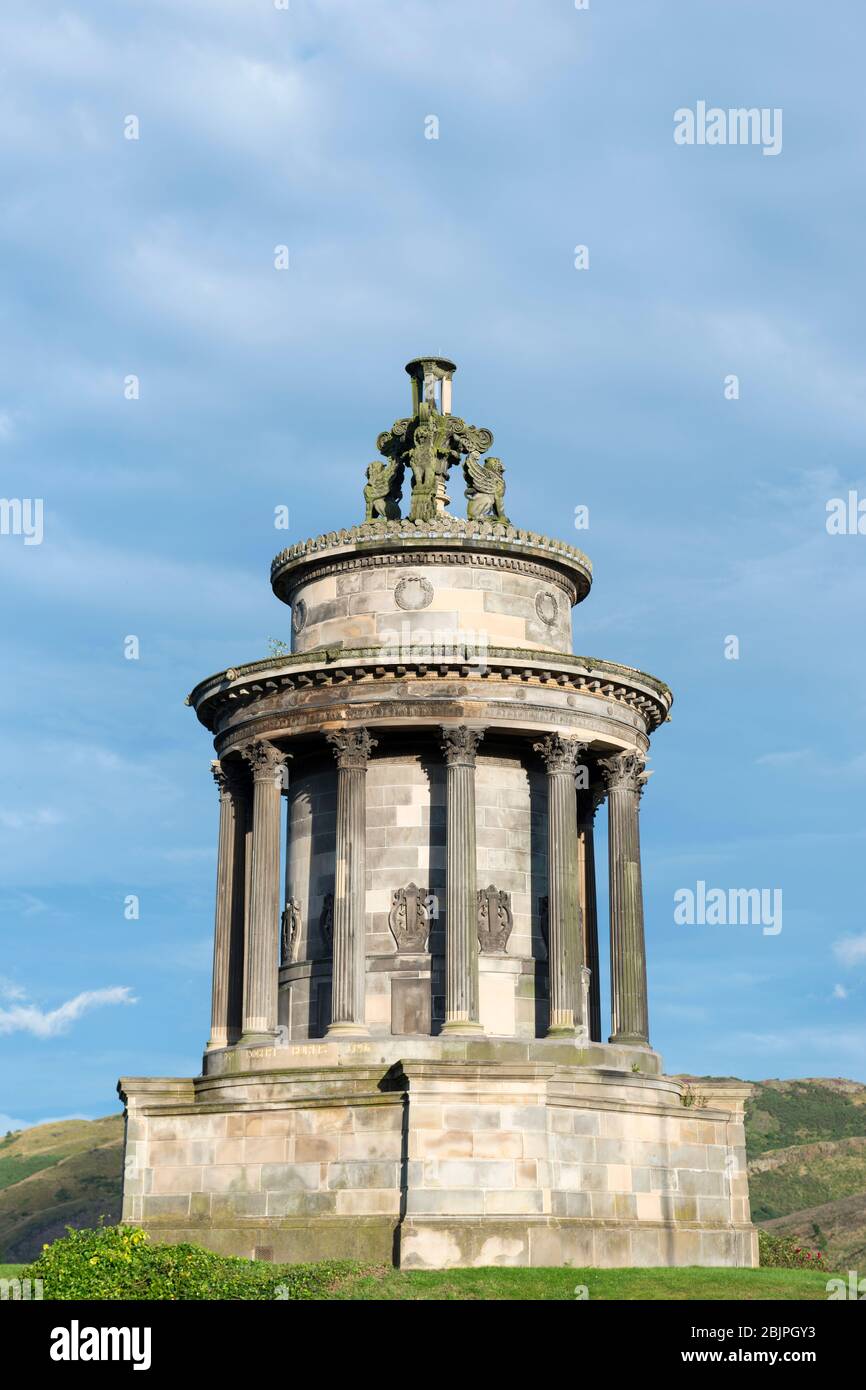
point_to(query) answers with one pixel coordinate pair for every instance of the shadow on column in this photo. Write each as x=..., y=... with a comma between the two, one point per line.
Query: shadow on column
x=538, y=893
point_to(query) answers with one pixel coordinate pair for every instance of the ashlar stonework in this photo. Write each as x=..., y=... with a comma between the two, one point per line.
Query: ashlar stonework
x=407, y=1057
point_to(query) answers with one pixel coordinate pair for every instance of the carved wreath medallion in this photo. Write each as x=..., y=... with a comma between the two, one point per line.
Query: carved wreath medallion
x=413, y=591
x=299, y=615
x=546, y=607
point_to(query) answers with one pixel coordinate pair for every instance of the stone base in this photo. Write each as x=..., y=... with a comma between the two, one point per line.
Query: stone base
x=466, y=1153
x=548, y=1242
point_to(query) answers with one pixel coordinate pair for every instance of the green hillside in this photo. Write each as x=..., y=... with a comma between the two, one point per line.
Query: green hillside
x=806, y=1175
x=838, y=1228
x=57, y=1175
x=783, y=1113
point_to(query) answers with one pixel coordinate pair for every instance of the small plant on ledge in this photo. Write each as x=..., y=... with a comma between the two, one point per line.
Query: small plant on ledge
x=692, y=1099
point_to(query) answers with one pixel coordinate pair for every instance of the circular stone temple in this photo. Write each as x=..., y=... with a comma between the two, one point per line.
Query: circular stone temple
x=409, y=1055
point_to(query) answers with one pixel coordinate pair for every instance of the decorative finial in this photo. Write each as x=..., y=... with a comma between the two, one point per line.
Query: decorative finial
x=429, y=443
x=431, y=384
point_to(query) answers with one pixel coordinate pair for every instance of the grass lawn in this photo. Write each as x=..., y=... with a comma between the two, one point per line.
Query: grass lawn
x=602, y=1284
x=533, y=1285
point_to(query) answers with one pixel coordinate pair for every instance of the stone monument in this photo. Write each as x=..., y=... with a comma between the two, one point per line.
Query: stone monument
x=406, y=1056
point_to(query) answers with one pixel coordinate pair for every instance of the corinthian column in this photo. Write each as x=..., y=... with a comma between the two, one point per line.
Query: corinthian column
x=565, y=949
x=263, y=920
x=624, y=775
x=348, y=988
x=588, y=802
x=461, y=916
x=228, y=940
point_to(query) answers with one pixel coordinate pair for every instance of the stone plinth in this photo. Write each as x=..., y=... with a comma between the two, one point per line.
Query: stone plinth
x=482, y=1154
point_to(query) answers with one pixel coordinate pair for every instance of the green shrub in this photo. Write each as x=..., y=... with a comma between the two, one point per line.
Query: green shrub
x=121, y=1262
x=780, y=1252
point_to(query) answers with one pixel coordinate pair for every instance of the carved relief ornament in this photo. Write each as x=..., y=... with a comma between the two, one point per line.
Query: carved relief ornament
x=495, y=920
x=409, y=918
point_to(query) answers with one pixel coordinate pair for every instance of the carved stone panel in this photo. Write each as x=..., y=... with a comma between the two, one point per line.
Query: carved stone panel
x=495, y=921
x=409, y=918
x=410, y=1007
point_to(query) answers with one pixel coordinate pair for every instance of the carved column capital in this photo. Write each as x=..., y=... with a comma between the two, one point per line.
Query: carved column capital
x=351, y=747
x=560, y=754
x=624, y=771
x=265, y=760
x=229, y=778
x=460, y=744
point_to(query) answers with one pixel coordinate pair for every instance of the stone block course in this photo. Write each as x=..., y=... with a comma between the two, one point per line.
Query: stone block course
x=464, y=1150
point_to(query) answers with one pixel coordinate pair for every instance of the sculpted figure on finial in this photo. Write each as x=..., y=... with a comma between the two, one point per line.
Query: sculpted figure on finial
x=383, y=489
x=485, y=489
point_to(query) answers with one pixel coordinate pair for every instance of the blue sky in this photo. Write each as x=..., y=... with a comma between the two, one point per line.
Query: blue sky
x=605, y=387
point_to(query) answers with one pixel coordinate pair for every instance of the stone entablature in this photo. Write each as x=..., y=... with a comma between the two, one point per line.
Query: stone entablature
x=243, y=687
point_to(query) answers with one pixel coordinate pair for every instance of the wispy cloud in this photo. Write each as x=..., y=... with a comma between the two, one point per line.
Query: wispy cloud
x=851, y=950
x=27, y=1018
x=38, y=819
x=794, y=755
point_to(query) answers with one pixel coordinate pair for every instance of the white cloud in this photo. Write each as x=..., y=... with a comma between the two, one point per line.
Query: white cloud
x=27, y=1018
x=840, y=992
x=851, y=950
x=31, y=820
x=795, y=755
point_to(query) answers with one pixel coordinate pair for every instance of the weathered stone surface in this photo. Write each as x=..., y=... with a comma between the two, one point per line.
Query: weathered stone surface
x=393, y=1091
x=456, y=1146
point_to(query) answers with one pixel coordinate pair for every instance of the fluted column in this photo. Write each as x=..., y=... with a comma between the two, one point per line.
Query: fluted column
x=624, y=775
x=588, y=802
x=228, y=941
x=459, y=746
x=565, y=948
x=349, y=983
x=263, y=919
